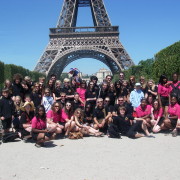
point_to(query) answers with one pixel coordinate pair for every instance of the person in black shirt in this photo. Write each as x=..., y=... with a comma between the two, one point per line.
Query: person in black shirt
x=7, y=110
x=91, y=95
x=130, y=126
x=36, y=95
x=16, y=86
x=100, y=116
x=76, y=102
x=25, y=120
x=68, y=90
x=51, y=85
x=57, y=91
x=88, y=115
x=122, y=102
x=103, y=91
x=94, y=79
x=151, y=89
x=111, y=94
x=63, y=99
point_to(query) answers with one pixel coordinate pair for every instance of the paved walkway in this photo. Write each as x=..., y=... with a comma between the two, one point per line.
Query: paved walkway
x=93, y=159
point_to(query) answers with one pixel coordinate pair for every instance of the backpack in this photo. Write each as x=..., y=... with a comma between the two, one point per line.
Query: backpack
x=113, y=131
x=9, y=137
x=176, y=91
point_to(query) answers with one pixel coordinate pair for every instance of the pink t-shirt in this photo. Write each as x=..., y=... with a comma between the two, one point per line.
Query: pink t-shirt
x=143, y=112
x=158, y=113
x=173, y=110
x=56, y=117
x=81, y=93
x=38, y=123
x=64, y=116
x=164, y=90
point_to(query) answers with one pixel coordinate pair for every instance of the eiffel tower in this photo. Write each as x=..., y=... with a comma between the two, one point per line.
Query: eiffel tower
x=68, y=43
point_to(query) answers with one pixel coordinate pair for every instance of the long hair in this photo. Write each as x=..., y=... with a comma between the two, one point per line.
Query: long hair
x=80, y=119
x=161, y=79
x=158, y=105
x=53, y=107
x=43, y=117
x=153, y=86
x=70, y=111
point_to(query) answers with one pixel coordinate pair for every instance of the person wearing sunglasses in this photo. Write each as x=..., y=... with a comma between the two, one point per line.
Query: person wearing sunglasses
x=100, y=116
x=67, y=118
x=54, y=119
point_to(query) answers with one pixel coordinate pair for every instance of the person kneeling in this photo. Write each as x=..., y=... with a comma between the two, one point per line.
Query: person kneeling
x=39, y=131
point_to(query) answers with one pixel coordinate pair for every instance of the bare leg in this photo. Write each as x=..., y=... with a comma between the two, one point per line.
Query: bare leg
x=144, y=127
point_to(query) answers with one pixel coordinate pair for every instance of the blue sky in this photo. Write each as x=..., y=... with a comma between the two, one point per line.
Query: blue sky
x=146, y=27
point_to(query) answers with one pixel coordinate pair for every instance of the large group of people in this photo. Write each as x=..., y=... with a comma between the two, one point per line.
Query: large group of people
x=134, y=108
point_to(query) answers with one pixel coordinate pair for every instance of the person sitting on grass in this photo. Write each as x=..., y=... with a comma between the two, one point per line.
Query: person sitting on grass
x=40, y=132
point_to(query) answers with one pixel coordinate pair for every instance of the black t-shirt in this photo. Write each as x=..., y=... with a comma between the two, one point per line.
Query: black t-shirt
x=76, y=104
x=103, y=94
x=123, y=123
x=99, y=113
x=112, y=97
x=129, y=108
x=57, y=92
x=36, y=97
x=149, y=93
x=26, y=118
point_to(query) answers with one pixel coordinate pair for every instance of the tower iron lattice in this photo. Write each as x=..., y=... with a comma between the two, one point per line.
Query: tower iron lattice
x=68, y=43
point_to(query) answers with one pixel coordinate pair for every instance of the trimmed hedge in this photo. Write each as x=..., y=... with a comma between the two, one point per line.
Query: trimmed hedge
x=8, y=70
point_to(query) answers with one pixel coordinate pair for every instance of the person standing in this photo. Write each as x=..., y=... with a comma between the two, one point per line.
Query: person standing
x=136, y=96
x=7, y=110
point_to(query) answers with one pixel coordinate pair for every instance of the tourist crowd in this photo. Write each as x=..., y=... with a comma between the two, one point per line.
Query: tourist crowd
x=133, y=108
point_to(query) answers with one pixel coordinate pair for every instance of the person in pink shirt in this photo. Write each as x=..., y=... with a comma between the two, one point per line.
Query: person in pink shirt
x=40, y=132
x=144, y=111
x=156, y=116
x=164, y=90
x=173, y=113
x=81, y=91
x=175, y=86
x=54, y=118
x=67, y=118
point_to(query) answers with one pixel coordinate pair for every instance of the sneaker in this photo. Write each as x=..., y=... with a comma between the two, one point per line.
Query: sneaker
x=174, y=133
x=38, y=145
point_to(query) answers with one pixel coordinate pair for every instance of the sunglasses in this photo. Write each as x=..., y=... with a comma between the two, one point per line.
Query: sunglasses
x=56, y=106
x=68, y=105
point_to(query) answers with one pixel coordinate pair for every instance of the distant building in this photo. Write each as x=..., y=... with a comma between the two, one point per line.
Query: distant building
x=102, y=73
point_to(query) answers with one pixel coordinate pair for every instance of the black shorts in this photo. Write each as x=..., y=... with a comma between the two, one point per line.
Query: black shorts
x=173, y=122
x=6, y=123
x=35, y=135
x=161, y=120
x=165, y=101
